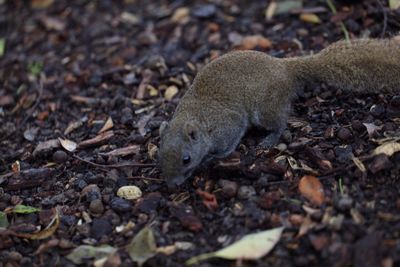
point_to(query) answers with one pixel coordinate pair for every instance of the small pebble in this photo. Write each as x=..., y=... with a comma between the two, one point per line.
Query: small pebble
x=96, y=207
x=204, y=11
x=60, y=156
x=121, y=205
x=377, y=110
x=246, y=192
x=229, y=188
x=344, y=134
x=100, y=228
x=344, y=203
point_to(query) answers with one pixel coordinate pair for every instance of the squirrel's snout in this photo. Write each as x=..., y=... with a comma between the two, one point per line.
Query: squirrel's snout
x=174, y=182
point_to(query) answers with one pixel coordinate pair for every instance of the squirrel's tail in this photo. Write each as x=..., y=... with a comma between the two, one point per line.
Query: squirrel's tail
x=364, y=65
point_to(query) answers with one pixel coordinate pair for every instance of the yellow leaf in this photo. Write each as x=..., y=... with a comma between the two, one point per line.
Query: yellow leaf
x=310, y=18
x=388, y=149
x=170, y=92
x=250, y=247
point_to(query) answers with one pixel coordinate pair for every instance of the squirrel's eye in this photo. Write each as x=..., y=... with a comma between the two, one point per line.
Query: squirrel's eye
x=186, y=160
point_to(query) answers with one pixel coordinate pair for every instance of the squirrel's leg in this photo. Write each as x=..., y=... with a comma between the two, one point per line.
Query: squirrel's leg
x=272, y=138
x=276, y=124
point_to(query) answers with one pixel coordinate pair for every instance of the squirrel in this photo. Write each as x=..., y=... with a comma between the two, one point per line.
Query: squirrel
x=242, y=89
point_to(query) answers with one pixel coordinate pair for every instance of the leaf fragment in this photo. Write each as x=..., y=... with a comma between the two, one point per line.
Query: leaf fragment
x=23, y=209
x=311, y=188
x=107, y=125
x=170, y=92
x=142, y=246
x=388, y=149
x=310, y=18
x=82, y=253
x=2, y=46
x=68, y=144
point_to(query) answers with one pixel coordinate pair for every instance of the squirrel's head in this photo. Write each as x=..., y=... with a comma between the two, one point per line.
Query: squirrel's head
x=183, y=146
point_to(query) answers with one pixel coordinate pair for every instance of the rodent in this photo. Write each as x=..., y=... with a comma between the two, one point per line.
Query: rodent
x=242, y=89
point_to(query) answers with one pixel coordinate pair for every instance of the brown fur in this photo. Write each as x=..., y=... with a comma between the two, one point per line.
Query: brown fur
x=248, y=88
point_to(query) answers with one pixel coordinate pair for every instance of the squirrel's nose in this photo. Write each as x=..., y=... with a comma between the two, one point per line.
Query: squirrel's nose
x=174, y=182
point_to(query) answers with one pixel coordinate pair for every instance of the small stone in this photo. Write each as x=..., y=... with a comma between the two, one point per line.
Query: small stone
x=377, y=110
x=60, y=156
x=100, y=228
x=358, y=126
x=345, y=203
x=344, y=134
x=149, y=202
x=229, y=188
x=204, y=11
x=121, y=205
x=96, y=207
x=246, y=192
x=380, y=162
x=343, y=153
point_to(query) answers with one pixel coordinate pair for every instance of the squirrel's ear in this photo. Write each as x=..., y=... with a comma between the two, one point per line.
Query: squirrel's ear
x=163, y=126
x=191, y=130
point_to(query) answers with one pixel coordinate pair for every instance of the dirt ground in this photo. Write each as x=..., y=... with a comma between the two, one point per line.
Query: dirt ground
x=80, y=80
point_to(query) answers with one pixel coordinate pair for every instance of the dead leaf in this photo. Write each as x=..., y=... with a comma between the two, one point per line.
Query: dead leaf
x=41, y=4
x=107, y=126
x=372, y=128
x=130, y=18
x=98, y=139
x=53, y=23
x=209, y=200
x=388, y=149
x=84, y=252
x=152, y=151
x=130, y=192
x=250, y=247
x=46, y=146
x=359, y=164
x=68, y=144
x=311, y=188
x=75, y=125
x=47, y=232
x=146, y=78
x=142, y=246
x=270, y=11
x=306, y=226
x=181, y=15
x=124, y=151
x=310, y=18
x=170, y=92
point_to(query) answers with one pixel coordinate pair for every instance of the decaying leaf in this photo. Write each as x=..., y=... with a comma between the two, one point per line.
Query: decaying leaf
x=152, y=150
x=75, y=125
x=311, y=188
x=107, y=125
x=98, y=139
x=47, y=232
x=359, y=164
x=388, y=149
x=142, y=246
x=170, y=92
x=310, y=18
x=250, y=247
x=372, y=128
x=46, y=146
x=68, y=144
x=83, y=253
x=306, y=226
x=129, y=192
x=124, y=151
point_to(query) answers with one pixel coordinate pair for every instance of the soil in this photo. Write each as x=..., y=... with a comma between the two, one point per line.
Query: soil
x=103, y=75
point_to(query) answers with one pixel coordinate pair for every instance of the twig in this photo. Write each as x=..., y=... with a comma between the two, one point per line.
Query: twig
x=126, y=164
x=146, y=178
x=342, y=26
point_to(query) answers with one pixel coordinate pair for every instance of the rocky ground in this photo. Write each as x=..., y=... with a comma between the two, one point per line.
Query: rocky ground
x=85, y=86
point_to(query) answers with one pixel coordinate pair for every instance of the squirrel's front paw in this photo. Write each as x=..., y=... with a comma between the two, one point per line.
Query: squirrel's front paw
x=266, y=144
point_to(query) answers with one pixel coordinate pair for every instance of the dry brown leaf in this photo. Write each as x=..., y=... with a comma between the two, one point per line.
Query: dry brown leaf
x=41, y=4
x=310, y=18
x=124, y=151
x=152, y=151
x=306, y=226
x=107, y=126
x=98, y=139
x=359, y=164
x=311, y=188
x=47, y=232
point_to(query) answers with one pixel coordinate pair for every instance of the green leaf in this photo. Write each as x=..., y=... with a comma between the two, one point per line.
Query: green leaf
x=84, y=253
x=3, y=220
x=2, y=46
x=142, y=246
x=35, y=68
x=286, y=6
x=250, y=247
x=22, y=209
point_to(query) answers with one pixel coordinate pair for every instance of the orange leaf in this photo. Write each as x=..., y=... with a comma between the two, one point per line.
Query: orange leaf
x=311, y=188
x=209, y=200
